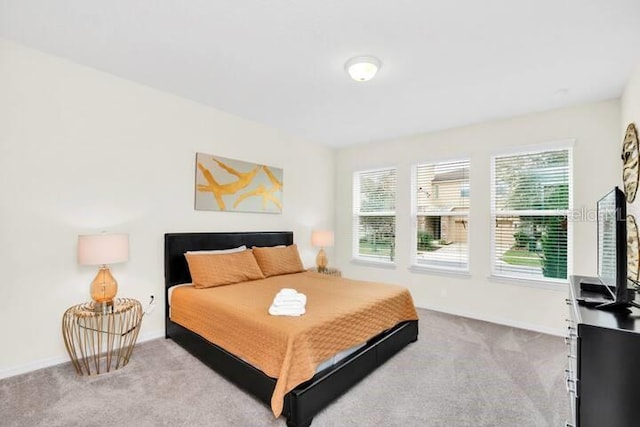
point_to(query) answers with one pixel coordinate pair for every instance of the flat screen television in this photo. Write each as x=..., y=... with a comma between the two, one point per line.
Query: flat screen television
x=612, y=250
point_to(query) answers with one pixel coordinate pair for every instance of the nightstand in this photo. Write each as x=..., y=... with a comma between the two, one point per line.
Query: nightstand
x=99, y=341
x=328, y=271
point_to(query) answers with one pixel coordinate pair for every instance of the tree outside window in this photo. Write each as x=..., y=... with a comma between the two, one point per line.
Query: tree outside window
x=530, y=208
x=374, y=215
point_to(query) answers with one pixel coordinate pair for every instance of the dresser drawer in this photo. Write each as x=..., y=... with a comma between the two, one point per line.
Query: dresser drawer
x=571, y=373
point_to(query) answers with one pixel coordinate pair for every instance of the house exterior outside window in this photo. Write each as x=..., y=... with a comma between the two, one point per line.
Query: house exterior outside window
x=441, y=215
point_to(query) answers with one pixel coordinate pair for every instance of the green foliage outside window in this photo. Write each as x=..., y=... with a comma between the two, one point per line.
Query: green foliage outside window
x=538, y=182
x=554, y=247
x=425, y=241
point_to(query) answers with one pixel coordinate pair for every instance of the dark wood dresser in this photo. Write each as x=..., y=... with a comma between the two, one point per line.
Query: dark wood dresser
x=603, y=377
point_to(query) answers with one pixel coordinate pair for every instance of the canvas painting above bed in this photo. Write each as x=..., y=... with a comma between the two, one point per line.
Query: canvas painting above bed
x=224, y=184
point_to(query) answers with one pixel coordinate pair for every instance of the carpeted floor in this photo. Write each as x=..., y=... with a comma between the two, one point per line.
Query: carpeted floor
x=460, y=372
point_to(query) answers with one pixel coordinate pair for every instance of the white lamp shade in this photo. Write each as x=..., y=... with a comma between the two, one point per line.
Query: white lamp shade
x=322, y=239
x=103, y=249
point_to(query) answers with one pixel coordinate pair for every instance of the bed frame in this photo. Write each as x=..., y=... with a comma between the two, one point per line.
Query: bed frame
x=309, y=398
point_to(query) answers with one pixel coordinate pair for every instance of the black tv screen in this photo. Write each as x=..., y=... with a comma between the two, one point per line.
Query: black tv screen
x=612, y=243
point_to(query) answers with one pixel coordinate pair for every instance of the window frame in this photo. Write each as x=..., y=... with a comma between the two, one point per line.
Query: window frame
x=414, y=265
x=534, y=281
x=356, y=257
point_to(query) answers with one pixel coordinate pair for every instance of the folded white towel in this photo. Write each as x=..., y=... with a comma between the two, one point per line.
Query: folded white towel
x=285, y=311
x=297, y=298
x=287, y=291
x=288, y=302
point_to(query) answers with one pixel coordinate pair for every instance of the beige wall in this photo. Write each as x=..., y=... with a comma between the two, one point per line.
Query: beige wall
x=596, y=130
x=83, y=151
x=630, y=101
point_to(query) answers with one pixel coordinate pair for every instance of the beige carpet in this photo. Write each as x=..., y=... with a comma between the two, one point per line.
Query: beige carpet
x=460, y=372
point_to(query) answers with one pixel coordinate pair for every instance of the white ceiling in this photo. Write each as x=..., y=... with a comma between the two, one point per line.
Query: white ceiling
x=446, y=63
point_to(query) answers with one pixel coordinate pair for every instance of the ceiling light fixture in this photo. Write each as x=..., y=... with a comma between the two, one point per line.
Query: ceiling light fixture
x=362, y=68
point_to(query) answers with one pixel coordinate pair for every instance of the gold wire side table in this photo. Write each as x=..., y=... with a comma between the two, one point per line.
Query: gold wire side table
x=101, y=339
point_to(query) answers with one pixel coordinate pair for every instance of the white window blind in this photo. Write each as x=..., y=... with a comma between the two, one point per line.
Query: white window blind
x=441, y=215
x=530, y=206
x=374, y=215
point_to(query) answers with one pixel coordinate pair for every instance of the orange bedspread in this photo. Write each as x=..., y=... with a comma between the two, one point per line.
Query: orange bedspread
x=341, y=313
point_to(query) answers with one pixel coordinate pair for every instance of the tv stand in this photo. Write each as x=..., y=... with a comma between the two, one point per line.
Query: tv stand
x=603, y=375
x=618, y=306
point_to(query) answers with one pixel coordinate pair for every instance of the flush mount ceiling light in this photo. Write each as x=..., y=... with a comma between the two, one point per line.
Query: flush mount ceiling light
x=362, y=68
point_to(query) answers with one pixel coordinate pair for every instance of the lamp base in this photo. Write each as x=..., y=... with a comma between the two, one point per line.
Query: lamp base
x=321, y=261
x=103, y=288
x=102, y=307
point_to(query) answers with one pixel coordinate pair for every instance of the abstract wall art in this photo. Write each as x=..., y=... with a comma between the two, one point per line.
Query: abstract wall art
x=235, y=186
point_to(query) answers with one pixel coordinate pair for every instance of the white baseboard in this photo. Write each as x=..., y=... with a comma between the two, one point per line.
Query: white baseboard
x=500, y=321
x=45, y=363
x=33, y=366
x=151, y=335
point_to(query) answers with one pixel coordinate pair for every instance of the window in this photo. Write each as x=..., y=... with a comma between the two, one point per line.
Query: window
x=464, y=190
x=374, y=215
x=441, y=215
x=531, y=199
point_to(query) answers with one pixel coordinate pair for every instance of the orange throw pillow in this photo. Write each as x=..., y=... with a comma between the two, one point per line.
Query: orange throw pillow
x=278, y=260
x=209, y=270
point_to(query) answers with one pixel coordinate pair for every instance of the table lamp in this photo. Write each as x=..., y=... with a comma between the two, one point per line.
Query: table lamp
x=102, y=250
x=322, y=239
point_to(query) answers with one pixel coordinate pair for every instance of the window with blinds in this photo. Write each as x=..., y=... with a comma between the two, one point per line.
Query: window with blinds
x=441, y=215
x=374, y=215
x=530, y=206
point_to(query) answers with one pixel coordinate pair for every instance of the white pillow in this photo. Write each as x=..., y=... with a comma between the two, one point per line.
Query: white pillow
x=219, y=251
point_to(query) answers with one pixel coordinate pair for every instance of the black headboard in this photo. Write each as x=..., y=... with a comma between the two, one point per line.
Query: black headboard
x=176, y=269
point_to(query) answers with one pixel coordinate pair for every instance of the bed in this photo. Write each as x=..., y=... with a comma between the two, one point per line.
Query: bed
x=305, y=400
